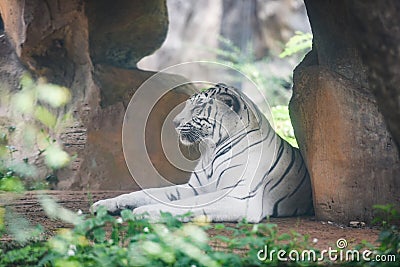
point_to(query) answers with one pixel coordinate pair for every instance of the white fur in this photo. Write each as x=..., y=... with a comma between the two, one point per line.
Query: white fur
x=235, y=185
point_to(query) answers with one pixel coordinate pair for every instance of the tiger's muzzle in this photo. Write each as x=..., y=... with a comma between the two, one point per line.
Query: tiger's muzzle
x=189, y=134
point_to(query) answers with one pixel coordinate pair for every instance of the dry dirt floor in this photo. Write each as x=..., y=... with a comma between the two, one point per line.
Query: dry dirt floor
x=324, y=234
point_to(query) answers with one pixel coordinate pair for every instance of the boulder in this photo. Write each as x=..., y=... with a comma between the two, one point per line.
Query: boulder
x=377, y=30
x=337, y=113
x=351, y=157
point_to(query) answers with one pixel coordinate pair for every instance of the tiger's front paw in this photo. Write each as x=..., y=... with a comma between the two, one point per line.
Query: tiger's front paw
x=110, y=204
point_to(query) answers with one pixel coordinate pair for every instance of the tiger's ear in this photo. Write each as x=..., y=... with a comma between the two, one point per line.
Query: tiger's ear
x=230, y=100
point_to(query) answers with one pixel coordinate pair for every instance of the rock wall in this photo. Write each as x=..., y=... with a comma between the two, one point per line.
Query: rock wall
x=352, y=157
x=377, y=30
x=91, y=47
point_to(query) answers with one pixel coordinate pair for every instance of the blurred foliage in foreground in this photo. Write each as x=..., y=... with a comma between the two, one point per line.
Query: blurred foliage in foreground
x=30, y=139
x=36, y=128
x=104, y=240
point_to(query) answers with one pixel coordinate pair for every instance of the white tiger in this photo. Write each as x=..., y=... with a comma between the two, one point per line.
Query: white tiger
x=245, y=170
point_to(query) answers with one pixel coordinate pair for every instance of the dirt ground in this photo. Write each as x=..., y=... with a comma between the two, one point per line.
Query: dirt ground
x=324, y=234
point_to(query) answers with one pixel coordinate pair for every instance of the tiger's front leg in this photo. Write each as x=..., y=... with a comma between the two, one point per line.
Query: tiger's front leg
x=145, y=197
x=215, y=206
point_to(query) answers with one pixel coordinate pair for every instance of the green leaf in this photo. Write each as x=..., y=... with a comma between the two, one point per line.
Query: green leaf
x=3, y=152
x=67, y=263
x=99, y=234
x=54, y=95
x=3, y=139
x=54, y=210
x=115, y=234
x=55, y=157
x=19, y=227
x=43, y=115
x=24, y=101
x=152, y=248
x=27, y=82
x=219, y=226
x=195, y=233
x=298, y=43
x=127, y=215
x=101, y=212
x=285, y=236
x=29, y=135
x=11, y=184
x=222, y=238
x=24, y=169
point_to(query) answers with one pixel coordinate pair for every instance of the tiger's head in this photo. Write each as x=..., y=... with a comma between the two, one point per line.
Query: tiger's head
x=214, y=114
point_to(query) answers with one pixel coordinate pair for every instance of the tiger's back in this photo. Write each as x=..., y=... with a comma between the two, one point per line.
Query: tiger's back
x=257, y=165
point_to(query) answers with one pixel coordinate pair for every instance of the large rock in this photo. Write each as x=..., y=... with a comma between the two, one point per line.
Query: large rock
x=92, y=47
x=351, y=157
x=361, y=41
x=350, y=153
x=377, y=30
